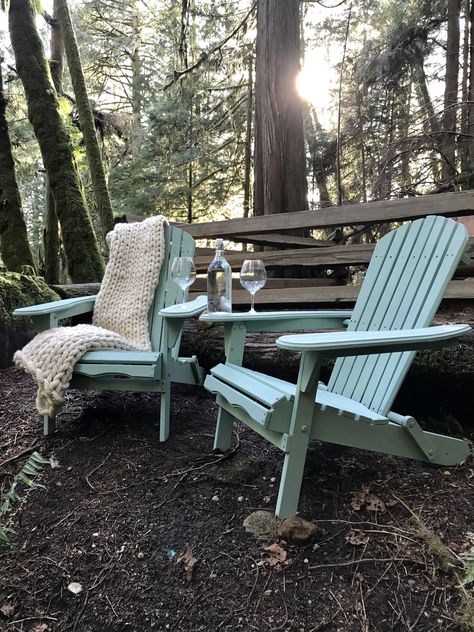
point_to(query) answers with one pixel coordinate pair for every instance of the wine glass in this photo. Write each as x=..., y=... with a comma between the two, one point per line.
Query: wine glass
x=183, y=273
x=253, y=277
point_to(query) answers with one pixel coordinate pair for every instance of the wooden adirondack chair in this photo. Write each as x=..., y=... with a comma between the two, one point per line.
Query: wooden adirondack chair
x=404, y=284
x=136, y=370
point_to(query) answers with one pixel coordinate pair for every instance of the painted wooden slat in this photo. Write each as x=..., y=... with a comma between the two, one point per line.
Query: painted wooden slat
x=428, y=253
x=434, y=286
x=405, y=276
x=452, y=204
x=256, y=411
x=248, y=382
x=128, y=370
x=120, y=357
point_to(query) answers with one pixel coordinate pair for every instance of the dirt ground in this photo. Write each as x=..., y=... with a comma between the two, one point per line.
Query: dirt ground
x=121, y=508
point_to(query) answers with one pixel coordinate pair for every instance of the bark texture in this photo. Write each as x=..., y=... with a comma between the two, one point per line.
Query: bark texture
x=280, y=161
x=14, y=246
x=86, y=119
x=82, y=253
x=451, y=91
x=51, y=237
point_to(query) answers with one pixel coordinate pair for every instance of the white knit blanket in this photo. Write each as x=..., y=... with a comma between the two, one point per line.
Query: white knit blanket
x=120, y=319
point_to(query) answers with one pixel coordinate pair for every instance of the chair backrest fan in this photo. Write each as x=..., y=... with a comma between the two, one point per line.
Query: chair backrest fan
x=177, y=244
x=405, y=282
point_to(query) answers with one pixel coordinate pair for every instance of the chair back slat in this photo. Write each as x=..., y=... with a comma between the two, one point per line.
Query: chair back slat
x=177, y=244
x=405, y=282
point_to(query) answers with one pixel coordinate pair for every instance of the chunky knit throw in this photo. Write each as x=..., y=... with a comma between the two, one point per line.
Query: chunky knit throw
x=120, y=319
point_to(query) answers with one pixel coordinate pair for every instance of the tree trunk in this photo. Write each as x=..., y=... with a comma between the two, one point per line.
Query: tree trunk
x=470, y=127
x=339, y=104
x=51, y=239
x=463, y=144
x=83, y=257
x=248, y=137
x=280, y=161
x=451, y=92
x=14, y=246
x=86, y=119
x=137, y=131
x=424, y=100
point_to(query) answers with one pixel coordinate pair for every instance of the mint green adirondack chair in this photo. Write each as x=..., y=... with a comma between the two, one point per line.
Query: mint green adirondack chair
x=404, y=284
x=136, y=370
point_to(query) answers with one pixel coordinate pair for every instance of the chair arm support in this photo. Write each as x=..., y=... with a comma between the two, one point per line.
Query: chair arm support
x=352, y=343
x=185, y=310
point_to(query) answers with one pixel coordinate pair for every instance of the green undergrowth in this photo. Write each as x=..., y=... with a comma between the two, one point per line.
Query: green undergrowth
x=26, y=479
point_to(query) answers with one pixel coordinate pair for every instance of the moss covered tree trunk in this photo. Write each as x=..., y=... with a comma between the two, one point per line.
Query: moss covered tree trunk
x=52, y=241
x=84, y=261
x=14, y=245
x=86, y=119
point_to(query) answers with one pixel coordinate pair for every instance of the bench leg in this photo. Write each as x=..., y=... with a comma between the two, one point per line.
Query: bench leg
x=223, y=437
x=165, y=411
x=49, y=425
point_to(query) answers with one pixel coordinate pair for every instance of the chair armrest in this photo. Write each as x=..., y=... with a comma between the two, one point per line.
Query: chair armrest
x=47, y=315
x=352, y=343
x=185, y=310
x=283, y=321
x=62, y=309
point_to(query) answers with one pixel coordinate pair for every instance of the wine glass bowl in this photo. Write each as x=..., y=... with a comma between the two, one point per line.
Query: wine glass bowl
x=183, y=273
x=253, y=277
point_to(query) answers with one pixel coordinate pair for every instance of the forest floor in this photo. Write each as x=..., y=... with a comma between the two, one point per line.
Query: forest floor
x=118, y=509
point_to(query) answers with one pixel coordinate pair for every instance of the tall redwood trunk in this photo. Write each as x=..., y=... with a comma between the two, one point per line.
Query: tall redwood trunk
x=82, y=253
x=14, y=246
x=451, y=91
x=280, y=161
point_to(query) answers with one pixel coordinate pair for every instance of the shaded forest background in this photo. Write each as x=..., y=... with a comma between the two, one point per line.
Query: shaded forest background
x=158, y=107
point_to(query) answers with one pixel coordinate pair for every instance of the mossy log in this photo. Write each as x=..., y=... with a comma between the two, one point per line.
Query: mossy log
x=18, y=290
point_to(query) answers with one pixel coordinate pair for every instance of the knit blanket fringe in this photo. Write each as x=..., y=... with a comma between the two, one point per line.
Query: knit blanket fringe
x=51, y=355
x=120, y=319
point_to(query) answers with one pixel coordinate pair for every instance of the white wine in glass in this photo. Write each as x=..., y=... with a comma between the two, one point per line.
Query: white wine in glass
x=183, y=273
x=253, y=277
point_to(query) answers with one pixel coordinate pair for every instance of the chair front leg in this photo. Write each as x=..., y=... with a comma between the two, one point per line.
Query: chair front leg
x=299, y=436
x=49, y=425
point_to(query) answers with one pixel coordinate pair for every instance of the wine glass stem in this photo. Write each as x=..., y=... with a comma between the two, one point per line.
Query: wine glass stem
x=252, y=301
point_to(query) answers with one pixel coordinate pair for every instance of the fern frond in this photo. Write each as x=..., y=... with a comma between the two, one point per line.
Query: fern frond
x=27, y=475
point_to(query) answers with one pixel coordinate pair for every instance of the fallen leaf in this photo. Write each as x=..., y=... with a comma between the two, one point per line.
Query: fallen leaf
x=357, y=537
x=40, y=627
x=7, y=610
x=374, y=503
x=358, y=500
x=277, y=554
x=189, y=561
x=53, y=461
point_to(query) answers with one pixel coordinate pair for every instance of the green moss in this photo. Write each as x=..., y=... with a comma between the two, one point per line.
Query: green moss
x=18, y=290
x=441, y=554
x=465, y=616
x=238, y=471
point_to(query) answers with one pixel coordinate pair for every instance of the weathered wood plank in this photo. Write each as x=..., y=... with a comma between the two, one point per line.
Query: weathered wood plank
x=285, y=241
x=353, y=254
x=452, y=204
x=462, y=289
x=200, y=285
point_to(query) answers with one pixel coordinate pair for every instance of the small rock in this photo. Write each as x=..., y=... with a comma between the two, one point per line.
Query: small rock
x=140, y=555
x=215, y=499
x=297, y=530
x=261, y=524
x=266, y=499
x=75, y=587
x=240, y=499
